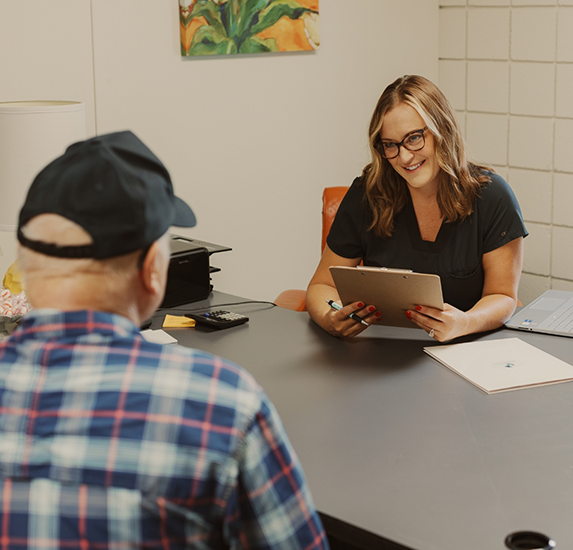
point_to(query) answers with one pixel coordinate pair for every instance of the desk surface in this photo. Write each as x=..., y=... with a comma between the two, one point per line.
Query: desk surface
x=398, y=445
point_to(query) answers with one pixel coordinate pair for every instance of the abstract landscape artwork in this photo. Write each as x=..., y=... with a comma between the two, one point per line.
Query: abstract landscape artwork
x=225, y=27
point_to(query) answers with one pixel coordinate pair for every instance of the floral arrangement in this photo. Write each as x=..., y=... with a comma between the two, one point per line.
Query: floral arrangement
x=11, y=305
x=211, y=27
x=12, y=308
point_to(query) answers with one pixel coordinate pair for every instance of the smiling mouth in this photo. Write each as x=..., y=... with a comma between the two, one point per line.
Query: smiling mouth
x=415, y=167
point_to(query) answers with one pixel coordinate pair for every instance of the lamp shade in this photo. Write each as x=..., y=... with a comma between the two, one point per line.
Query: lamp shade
x=32, y=134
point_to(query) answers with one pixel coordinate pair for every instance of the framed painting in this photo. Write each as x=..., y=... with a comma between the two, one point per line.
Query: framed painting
x=224, y=27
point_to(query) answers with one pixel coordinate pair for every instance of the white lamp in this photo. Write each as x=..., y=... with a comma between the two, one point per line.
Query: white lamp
x=32, y=133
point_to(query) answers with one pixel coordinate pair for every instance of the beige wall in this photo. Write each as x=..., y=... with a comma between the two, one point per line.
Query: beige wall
x=250, y=141
x=45, y=53
x=507, y=65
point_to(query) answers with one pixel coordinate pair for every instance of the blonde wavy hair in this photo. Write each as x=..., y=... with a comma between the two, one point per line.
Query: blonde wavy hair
x=460, y=181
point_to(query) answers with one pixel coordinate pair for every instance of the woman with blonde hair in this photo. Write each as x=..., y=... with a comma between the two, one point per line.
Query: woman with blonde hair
x=422, y=205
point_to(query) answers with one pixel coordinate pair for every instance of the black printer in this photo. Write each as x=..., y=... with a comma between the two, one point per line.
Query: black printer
x=189, y=275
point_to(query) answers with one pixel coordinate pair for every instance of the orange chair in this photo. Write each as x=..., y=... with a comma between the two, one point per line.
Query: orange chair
x=331, y=196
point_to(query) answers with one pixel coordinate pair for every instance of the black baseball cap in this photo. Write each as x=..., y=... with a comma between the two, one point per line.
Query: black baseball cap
x=112, y=186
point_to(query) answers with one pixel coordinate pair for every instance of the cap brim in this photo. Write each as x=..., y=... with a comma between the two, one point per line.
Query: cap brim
x=184, y=216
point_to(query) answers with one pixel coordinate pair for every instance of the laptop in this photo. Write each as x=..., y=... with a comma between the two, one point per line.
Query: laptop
x=551, y=313
x=392, y=291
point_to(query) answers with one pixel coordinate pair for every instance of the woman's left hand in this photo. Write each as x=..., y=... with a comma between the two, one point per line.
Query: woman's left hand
x=440, y=325
x=501, y=278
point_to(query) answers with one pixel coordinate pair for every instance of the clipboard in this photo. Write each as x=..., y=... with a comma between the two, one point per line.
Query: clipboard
x=392, y=291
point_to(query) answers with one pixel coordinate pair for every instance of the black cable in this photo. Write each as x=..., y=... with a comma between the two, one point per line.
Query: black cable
x=213, y=306
x=161, y=311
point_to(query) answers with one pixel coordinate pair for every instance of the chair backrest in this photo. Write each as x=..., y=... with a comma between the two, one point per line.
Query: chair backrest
x=331, y=197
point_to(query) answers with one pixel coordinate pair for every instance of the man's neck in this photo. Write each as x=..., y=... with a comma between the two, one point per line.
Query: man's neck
x=85, y=292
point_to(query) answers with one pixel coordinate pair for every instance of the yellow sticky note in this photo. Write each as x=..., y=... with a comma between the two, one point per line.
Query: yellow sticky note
x=174, y=321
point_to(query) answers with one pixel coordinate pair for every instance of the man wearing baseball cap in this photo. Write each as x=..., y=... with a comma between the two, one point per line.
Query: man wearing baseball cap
x=109, y=441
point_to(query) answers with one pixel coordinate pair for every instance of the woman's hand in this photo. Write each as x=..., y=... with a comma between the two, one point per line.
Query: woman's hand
x=502, y=268
x=350, y=320
x=322, y=289
x=441, y=325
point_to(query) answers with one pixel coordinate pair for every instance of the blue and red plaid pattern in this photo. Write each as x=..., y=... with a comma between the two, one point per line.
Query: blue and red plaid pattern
x=111, y=442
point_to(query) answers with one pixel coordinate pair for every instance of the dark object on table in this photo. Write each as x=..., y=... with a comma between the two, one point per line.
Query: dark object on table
x=218, y=319
x=529, y=540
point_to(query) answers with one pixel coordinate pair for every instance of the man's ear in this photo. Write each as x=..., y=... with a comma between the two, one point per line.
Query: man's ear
x=151, y=272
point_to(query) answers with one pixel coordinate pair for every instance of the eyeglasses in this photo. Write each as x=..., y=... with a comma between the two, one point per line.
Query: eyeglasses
x=414, y=141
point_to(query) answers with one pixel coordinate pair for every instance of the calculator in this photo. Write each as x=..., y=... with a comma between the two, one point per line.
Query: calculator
x=218, y=319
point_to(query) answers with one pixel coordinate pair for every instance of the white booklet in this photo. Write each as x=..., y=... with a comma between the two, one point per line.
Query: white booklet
x=158, y=336
x=502, y=365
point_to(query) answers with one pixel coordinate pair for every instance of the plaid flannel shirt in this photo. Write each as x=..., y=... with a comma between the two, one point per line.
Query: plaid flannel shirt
x=111, y=442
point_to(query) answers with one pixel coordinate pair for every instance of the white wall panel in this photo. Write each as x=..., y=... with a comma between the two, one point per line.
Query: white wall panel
x=534, y=39
x=488, y=86
x=45, y=54
x=488, y=32
x=538, y=45
x=251, y=141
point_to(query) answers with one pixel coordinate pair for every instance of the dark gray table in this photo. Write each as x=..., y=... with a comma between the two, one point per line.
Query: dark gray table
x=398, y=446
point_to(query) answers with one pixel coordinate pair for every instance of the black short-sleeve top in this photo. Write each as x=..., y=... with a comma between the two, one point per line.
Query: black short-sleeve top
x=455, y=255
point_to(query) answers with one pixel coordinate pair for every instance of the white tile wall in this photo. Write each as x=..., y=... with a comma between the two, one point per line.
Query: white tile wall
x=537, y=255
x=452, y=44
x=562, y=259
x=564, y=145
x=531, y=286
x=533, y=34
x=453, y=73
x=486, y=136
x=564, y=34
x=531, y=142
x=488, y=86
x=532, y=89
x=564, y=90
x=488, y=29
x=534, y=2
x=562, y=284
x=489, y=2
x=533, y=189
x=518, y=92
x=563, y=199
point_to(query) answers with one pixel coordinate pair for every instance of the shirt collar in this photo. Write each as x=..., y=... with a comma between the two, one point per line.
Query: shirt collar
x=47, y=324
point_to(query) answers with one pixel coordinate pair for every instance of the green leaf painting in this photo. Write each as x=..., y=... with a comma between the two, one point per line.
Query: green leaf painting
x=219, y=27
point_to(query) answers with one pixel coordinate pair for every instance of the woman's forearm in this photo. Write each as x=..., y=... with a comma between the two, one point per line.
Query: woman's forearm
x=317, y=295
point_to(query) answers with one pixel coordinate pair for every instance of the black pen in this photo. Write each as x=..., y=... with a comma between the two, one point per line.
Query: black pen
x=338, y=307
